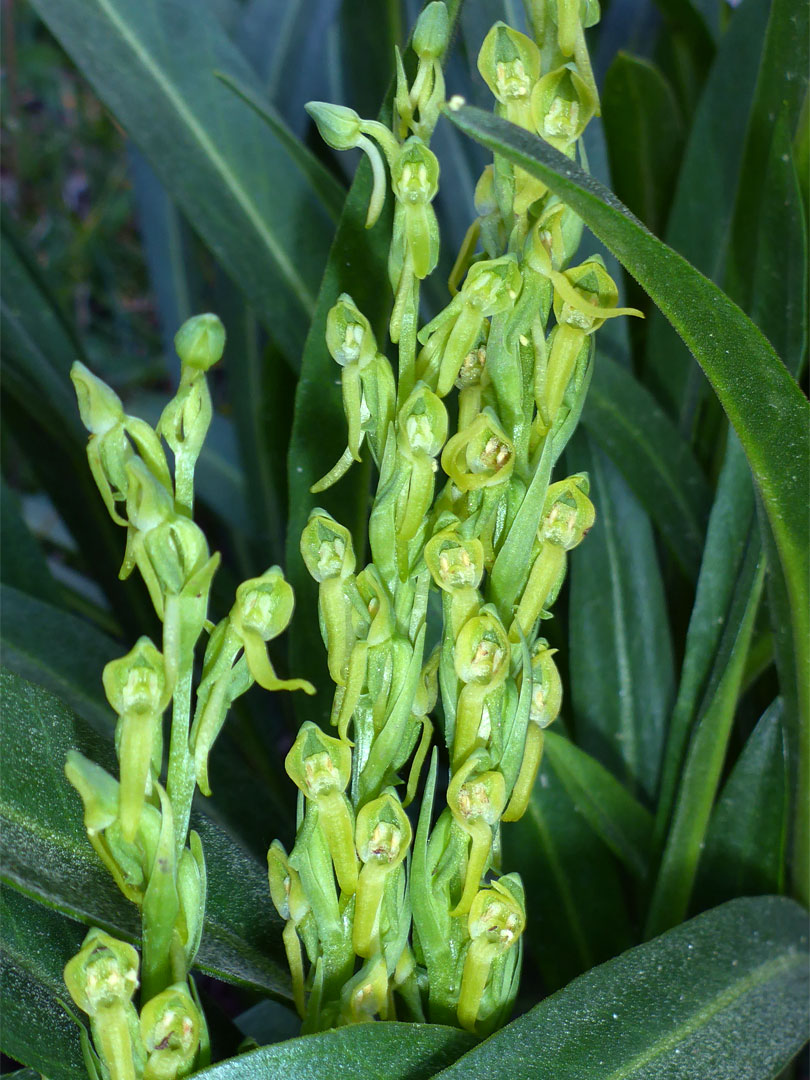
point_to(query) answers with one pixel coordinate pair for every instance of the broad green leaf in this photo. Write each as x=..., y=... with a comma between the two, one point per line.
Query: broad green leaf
x=700, y=218
x=46, y=854
x=756, y=391
x=644, y=130
x=230, y=175
x=747, y=835
x=703, y=763
x=37, y=1030
x=389, y=1051
x=58, y=651
x=575, y=895
x=653, y=458
x=622, y=679
x=722, y=996
x=357, y=265
x=329, y=190
x=22, y=562
x=615, y=816
x=40, y=411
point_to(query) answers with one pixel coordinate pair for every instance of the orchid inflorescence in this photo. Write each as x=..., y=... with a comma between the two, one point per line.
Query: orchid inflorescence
x=382, y=919
x=385, y=915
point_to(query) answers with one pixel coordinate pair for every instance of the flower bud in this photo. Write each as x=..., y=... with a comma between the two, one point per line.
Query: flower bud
x=200, y=342
x=546, y=685
x=99, y=407
x=148, y=503
x=339, y=126
x=432, y=31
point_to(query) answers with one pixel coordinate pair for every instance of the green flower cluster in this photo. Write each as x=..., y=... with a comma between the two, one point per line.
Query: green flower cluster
x=425, y=925
x=137, y=825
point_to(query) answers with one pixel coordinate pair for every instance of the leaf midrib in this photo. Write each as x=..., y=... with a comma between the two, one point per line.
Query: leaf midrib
x=758, y=977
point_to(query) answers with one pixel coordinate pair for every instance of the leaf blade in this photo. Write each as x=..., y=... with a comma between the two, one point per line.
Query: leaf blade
x=233, y=179
x=721, y=996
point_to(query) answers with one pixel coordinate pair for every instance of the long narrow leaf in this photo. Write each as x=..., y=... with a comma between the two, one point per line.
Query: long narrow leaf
x=330, y=191
x=621, y=665
x=573, y=881
x=619, y=820
x=703, y=766
x=652, y=456
x=700, y=218
x=230, y=175
x=747, y=837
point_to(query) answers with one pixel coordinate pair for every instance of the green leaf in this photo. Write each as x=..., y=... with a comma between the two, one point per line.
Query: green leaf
x=40, y=411
x=21, y=558
x=233, y=179
x=58, y=651
x=389, y=1051
x=329, y=190
x=781, y=87
x=747, y=835
x=47, y=856
x=366, y=49
x=572, y=881
x=652, y=456
x=622, y=678
x=756, y=391
x=700, y=219
x=37, y=1030
x=619, y=820
x=723, y=996
x=166, y=239
x=726, y=578
x=703, y=764
x=644, y=130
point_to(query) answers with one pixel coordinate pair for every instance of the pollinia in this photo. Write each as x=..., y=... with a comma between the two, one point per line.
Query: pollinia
x=436, y=638
x=388, y=917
